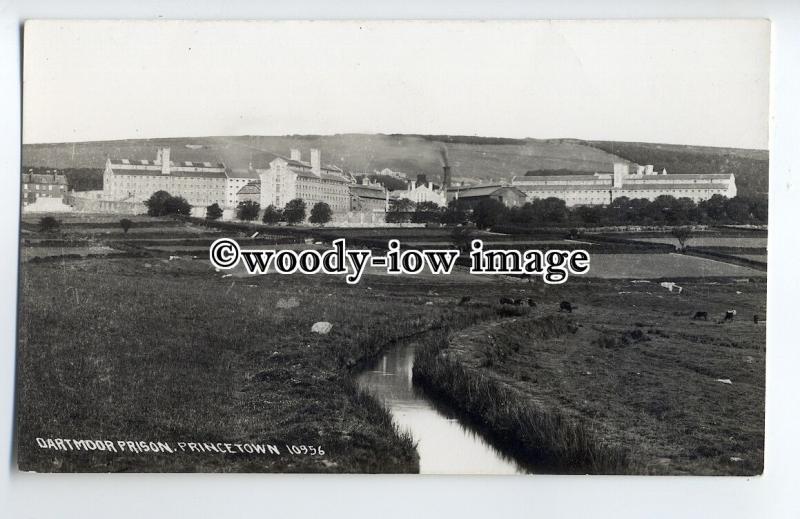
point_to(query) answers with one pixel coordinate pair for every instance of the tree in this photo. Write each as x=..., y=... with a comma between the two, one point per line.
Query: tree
x=49, y=224
x=320, y=213
x=125, y=224
x=454, y=214
x=399, y=211
x=177, y=205
x=247, y=210
x=682, y=234
x=295, y=211
x=714, y=208
x=157, y=203
x=426, y=212
x=162, y=203
x=737, y=209
x=272, y=215
x=213, y=212
x=488, y=212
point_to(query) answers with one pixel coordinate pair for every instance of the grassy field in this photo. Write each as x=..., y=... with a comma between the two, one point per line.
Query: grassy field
x=152, y=349
x=628, y=383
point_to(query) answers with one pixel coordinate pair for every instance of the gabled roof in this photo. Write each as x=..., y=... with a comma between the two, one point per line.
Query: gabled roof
x=252, y=188
x=363, y=191
x=172, y=163
x=477, y=191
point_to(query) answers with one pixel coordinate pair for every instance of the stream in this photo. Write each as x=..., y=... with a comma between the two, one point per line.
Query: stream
x=446, y=444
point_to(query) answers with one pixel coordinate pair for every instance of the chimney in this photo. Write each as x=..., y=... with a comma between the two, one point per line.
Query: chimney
x=295, y=155
x=165, y=161
x=316, y=167
x=413, y=185
x=446, y=176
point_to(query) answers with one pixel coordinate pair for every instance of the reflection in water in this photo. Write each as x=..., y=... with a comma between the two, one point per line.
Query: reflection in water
x=445, y=445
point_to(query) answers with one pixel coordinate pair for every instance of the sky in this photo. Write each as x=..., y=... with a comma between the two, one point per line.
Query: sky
x=698, y=82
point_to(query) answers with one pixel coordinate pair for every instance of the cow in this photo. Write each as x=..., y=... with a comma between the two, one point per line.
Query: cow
x=506, y=301
x=464, y=300
x=701, y=315
x=531, y=303
x=729, y=315
x=565, y=306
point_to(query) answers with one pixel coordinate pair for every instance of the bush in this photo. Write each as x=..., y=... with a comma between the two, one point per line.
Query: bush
x=247, y=211
x=49, y=224
x=295, y=211
x=125, y=224
x=320, y=213
x=213, y=212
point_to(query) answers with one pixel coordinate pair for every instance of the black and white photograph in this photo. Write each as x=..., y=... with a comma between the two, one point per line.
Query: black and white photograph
x=417, y=247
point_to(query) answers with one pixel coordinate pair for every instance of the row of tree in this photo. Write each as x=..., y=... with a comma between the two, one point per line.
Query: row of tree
x=293, y=213
x=664, y=210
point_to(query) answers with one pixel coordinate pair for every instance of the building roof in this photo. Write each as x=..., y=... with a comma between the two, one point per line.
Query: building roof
x=174, y=172
x=251, y=188
x=626, y=187
x=325, y=176
x=363, y=191
x=477, y=191
x=172, y=163
x=44, y=178
x=243, y=173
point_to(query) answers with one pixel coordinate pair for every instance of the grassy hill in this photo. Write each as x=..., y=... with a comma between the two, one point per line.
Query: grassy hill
x=470, y=157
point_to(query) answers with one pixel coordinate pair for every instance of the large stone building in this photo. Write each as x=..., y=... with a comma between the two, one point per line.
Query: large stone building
x=368, y=196
x=44, y=190
x=603, y=188
x=421, y=190
x=285, y=179
x=200, y=183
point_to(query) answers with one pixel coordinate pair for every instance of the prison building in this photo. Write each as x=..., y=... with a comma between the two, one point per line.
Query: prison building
x=509, y=196
x=43, y=186
x=368, y=196
x=200, y=183
x=421, y=190
x=285, y=179
x=603, y=188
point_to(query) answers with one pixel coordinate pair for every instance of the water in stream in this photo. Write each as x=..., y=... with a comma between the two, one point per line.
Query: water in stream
x=445, y=444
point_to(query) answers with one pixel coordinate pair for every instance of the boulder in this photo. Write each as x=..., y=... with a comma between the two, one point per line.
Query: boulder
x=322, y=327
x=289, y=302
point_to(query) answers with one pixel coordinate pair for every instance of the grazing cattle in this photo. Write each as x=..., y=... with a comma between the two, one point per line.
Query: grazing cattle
x=506, y=301
x=729, y=315
x=531, y=303
x=464, y=300
x=755, y=319
x=565, y=306
x=701, y=315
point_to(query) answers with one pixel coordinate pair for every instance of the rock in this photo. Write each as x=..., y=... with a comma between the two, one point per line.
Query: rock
x=429, y=303
x=322, y=327
x=290, y=302
x=735, y=459
x=724, y=380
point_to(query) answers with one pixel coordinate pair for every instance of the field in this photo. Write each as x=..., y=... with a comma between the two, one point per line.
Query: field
x=140, y=345
x=658, y=392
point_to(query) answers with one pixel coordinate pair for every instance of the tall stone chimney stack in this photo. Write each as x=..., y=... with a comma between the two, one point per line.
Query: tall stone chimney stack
x=295, y=155
x=620, y=170
x=316, y=166
x=446, y=176
x=165, y=160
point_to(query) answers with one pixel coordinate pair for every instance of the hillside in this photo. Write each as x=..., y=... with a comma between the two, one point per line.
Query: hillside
x=470, y=157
